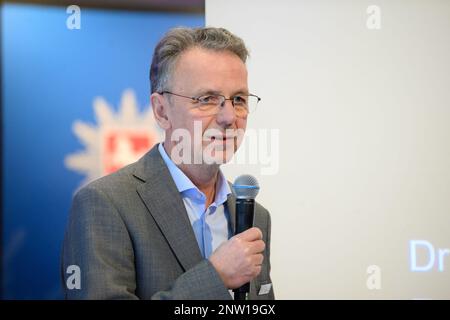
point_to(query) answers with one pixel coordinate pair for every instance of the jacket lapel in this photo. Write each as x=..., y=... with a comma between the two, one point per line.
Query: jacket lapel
x=231, y=206
x=164, y=202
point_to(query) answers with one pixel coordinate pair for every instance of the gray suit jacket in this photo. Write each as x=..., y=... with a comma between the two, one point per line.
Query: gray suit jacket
x=130, y=235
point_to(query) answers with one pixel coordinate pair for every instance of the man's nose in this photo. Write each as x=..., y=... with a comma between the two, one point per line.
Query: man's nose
x=227, y=114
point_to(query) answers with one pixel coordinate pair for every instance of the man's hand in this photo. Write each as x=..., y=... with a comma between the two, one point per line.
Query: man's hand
x=239, y=259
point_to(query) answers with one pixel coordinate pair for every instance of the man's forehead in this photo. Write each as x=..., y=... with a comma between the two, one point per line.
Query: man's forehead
x=212, y=59
x=209, y=71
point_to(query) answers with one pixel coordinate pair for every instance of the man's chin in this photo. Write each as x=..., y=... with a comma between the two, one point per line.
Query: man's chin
x=217, y=157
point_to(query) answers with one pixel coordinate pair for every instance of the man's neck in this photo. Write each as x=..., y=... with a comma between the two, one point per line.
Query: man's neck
x=203, y=176
x=206, y=183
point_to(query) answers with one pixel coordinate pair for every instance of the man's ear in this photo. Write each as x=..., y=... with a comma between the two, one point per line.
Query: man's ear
x=160, y=110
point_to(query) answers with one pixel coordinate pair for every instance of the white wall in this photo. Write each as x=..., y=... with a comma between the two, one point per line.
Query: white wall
x=364, y=128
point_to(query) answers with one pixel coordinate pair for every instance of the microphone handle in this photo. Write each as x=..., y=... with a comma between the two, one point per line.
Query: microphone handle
x=245, y=211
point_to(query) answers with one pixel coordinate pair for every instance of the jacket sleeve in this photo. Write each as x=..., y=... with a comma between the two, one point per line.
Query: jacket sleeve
x=98, y=246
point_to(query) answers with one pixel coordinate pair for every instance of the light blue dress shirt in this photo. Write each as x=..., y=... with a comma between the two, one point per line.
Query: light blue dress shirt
x=211, y=225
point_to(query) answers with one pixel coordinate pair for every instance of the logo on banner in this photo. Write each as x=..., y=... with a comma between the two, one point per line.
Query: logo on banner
x=118, y=139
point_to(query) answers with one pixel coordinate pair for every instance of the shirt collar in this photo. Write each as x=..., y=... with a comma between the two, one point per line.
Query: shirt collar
x=183, y=183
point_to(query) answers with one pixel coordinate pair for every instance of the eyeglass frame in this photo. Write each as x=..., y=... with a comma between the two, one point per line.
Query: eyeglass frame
x=197, y=99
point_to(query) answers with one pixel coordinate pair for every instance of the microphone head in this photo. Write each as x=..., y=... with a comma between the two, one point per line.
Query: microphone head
x=245, y=187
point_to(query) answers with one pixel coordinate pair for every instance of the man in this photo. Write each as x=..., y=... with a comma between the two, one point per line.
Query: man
x=162, y=228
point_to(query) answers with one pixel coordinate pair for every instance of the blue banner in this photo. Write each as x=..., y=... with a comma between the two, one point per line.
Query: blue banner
x=75, y=102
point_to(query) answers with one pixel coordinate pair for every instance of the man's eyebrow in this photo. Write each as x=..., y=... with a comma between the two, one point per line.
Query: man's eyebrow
x=211, y=91
x=203, y=92
x=241, y=91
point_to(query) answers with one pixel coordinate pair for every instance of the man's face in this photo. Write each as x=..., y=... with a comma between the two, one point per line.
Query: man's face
x=199, y=72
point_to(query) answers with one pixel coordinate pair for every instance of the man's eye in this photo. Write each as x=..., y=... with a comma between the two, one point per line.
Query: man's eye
x=208, y=99
x=241, y=100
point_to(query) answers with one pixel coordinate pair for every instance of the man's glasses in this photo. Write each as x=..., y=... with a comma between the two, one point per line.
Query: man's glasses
x=211, y=104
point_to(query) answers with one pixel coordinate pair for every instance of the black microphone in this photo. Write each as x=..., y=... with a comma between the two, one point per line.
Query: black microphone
x=245, y=189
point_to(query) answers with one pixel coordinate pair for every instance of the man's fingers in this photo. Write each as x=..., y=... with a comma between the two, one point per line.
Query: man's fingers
x=258, y=259
x=257, y=246
x=251, y=234
x=256, y=271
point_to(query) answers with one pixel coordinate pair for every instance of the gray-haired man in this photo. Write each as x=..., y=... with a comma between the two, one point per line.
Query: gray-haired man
x=162, y=228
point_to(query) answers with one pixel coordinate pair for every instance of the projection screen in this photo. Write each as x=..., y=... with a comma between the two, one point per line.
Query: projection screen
x=350, y=143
